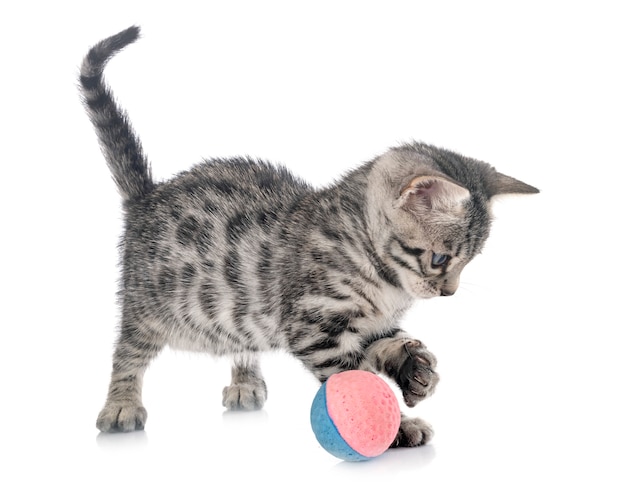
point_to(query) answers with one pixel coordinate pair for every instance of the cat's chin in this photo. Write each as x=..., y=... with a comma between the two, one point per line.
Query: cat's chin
x=430, y=296
x=422, y=293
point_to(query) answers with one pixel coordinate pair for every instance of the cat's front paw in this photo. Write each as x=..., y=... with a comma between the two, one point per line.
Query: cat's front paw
x=244, y=396
x=413, y=432
x=417, y=377
x=121, y=417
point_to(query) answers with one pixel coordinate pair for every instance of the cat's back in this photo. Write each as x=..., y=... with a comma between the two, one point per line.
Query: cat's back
x=235, y=180
x=211, y=209
x=221, y=187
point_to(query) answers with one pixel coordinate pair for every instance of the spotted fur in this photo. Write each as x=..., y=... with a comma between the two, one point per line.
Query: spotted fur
x=238, y=257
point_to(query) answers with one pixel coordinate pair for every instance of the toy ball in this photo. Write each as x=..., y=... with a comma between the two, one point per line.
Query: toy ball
x=355, y=415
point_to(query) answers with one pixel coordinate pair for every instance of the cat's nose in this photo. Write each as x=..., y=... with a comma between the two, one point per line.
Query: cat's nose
x=449, y=285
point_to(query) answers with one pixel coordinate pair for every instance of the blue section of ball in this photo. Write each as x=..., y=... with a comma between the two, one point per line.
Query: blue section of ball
x=326, y=431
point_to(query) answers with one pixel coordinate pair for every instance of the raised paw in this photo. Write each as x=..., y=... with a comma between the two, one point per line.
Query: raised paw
x=413, y=432
x=120, y=417
x=244, y=396
x=417, y=377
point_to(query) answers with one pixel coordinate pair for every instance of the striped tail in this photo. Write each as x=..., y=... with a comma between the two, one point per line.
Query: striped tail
x=120, y=146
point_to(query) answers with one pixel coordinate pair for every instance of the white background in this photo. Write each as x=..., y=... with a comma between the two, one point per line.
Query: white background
x=531, y=349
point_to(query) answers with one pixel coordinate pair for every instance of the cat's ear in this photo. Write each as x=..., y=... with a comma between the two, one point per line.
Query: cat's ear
x=504, y=184
x=427, y=193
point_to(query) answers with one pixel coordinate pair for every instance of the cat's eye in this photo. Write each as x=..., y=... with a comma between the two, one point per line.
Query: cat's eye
x=439, y=260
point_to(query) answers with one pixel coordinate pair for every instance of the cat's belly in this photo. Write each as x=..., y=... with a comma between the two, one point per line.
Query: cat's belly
x=222, y=336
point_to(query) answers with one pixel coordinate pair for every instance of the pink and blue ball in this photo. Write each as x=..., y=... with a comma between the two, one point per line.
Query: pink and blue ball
x=355, y=415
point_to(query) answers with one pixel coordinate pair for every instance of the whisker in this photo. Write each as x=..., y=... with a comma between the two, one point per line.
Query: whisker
x=473, y=287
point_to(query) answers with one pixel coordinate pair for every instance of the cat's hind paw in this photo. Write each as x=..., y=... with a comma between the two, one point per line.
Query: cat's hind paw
x=244, y=396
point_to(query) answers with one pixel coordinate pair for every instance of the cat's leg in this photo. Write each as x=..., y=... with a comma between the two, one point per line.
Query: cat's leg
x=412, y=366
x=124, y=410
x=247, y=390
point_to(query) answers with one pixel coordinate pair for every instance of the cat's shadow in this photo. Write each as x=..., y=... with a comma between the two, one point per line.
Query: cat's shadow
x=392, y=461
x=256, y=416
x=137, y=439
x=122, y=440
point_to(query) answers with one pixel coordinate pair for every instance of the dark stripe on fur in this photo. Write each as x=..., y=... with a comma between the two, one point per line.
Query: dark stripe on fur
x=403, y=263
x=384, y=272
x=350, y=361
x=333, y=324
x=367, y=341
x=416, y=253
x=327, y=343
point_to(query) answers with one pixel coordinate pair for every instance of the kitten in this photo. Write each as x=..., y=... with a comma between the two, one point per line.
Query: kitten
x=237, y=257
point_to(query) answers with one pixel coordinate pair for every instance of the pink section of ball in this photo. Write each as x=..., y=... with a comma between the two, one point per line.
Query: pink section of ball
x=364, y=409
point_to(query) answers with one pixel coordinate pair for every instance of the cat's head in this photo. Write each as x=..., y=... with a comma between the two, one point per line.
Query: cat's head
x=429, y=210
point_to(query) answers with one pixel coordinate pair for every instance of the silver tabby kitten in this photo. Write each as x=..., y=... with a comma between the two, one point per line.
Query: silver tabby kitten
x=237, y=257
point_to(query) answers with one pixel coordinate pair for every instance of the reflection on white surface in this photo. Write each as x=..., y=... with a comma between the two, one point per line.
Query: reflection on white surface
x=122, y=441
